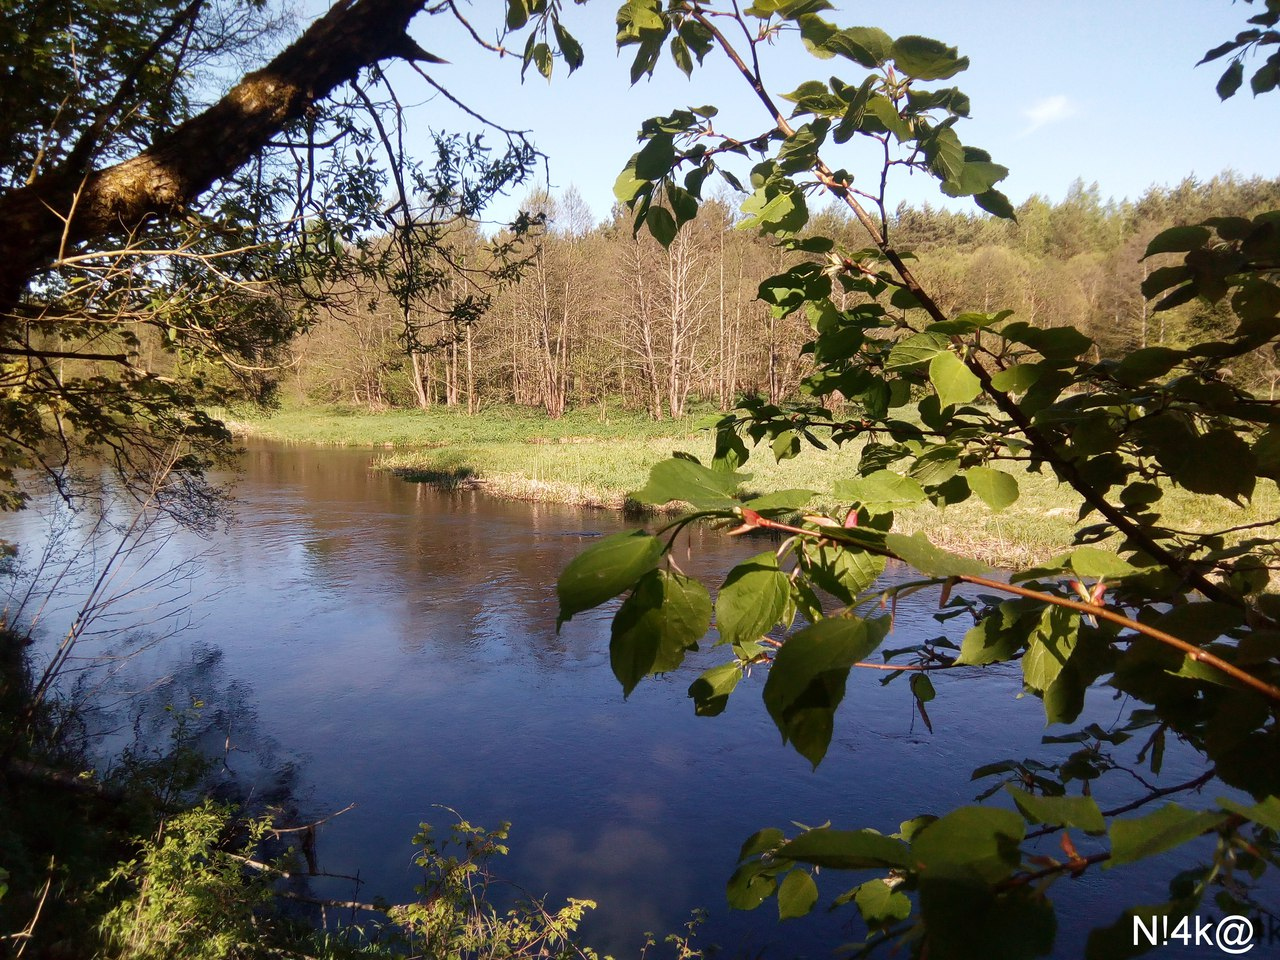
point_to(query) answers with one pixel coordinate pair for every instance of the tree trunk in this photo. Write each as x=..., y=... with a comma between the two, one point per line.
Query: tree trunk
x=424, y=402
x=66, y=208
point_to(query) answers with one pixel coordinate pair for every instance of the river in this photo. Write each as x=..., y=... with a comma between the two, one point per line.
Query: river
x=357, y=639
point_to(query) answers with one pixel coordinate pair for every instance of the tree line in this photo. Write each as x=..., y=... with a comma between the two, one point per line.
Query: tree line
x=599, y=315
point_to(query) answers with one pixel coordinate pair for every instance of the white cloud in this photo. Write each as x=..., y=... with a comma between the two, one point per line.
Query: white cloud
x=1048, y=110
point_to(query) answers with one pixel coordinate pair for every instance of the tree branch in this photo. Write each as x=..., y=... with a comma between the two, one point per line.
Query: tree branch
x=184, y=162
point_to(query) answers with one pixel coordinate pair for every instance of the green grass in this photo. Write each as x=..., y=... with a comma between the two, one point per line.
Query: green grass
x=439, y=427
x=588, y=459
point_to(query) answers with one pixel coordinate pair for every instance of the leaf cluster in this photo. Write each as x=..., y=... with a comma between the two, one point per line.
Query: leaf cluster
x=947, y=407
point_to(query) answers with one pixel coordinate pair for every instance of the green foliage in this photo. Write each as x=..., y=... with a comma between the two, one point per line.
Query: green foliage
x=454, y=918
x=1180, y=622
x=188, y=894
x=188, y=897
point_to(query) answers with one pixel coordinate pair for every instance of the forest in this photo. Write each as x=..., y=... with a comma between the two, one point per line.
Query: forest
x=601, y=316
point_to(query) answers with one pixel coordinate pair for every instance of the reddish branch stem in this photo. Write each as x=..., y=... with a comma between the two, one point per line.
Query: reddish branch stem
x=1093, y=609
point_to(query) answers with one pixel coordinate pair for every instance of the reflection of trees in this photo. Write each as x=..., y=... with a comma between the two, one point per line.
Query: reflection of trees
x=449, y=572
x=196, y=705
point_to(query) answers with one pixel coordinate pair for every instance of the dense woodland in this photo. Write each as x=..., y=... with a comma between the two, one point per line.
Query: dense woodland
x=599, y=316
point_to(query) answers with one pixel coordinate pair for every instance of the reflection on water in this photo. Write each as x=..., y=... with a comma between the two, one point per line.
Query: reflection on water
x=401, y=641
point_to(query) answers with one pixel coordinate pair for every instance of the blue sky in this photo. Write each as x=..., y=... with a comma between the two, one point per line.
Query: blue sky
x=1103, y=91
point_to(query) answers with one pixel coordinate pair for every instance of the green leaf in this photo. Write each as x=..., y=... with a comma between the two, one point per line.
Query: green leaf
x=970, y=843
x=926, y=59
x=880, y=904
x=628, y=186
x=1230, y=80
x=1056, y=343
x=777, y=207
x=1081, y=812
x=690, y=481
x=1094, y=562
x=683, y=203
x=680, y=54
x=932, y=561
x=880, y=491
x=543, y=59
x=661, y=224
x=1177, y=240
x=807, y=680
x=954, y=382
x=752, y=599
x=1169, y=827
x=844, y=572
x=992, y=639
x=655, y=158
x=644, y=15
x=996, y=204
x=868, y=47
x=936, y=465
x=847, y=850
x=916, y=351
x=796, y=895
x=1143, y=365
x=1017, y=379
x=710, y=692
x=922, y=688
x=1218, y=462
x=995, y=488
x=786, y=445
x=517, y=14
x=751, y=884
x=781, y=500
x=665, y=615
x=605, y=570
x=570, y=49
x=1266, y=813
x=1050, y=646
x=762, y=840
x=1197, y=623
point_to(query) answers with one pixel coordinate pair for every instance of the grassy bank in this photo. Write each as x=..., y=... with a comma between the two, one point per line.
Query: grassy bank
x=596, y=458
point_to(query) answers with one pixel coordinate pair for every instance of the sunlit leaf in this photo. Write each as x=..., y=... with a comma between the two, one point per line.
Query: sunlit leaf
x=710, y=692
x=1134, y=838
x=605, y=570
x=995, y=488
x=1051, y=644
x=796, y=895
x=847, y=850
x=954, y=381
x=1081, y=812
x=687, y=480
x=979, y=843
x=752, y=599
x=930, y=560
x=881, y=490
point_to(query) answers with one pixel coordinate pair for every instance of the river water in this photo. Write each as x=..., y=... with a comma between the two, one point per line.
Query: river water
x=357, y=639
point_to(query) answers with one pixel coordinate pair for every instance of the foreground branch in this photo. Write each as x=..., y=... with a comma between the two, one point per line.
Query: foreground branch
x=65, y=208
x=753, y=519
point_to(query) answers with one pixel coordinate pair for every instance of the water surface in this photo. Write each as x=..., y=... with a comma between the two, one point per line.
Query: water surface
x=395, y=646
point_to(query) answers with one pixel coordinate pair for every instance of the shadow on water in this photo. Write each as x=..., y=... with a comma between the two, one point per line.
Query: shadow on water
x=443, y=478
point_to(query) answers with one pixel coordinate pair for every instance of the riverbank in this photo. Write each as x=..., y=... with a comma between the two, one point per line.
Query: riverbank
x=596, y=457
